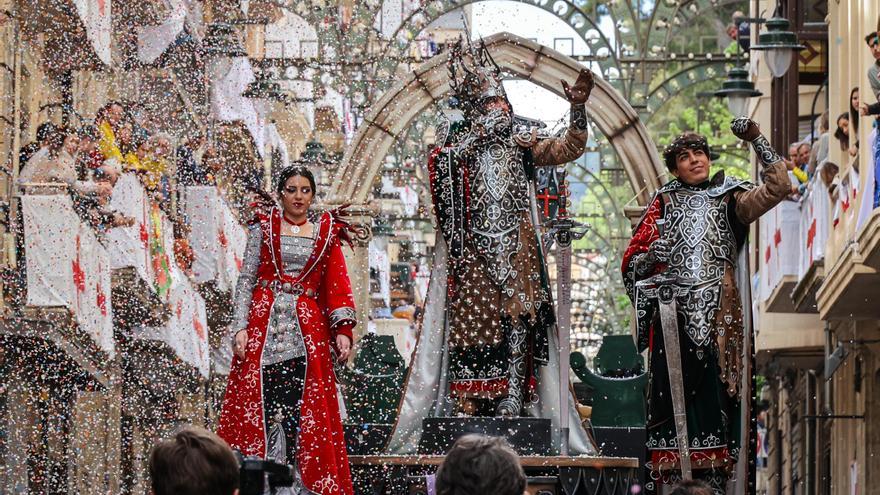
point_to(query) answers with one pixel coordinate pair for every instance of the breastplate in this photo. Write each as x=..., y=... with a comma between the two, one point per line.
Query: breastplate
x=498, y=196
x=703, y=246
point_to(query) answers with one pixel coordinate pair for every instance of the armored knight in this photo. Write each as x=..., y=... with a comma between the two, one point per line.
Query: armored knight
x=488, y=322
x=684, y=273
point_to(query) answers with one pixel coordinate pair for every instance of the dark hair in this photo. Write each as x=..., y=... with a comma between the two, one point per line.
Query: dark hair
x=854, y=112
x=101, y=114
x=294, y=171
x=88, y=131
x=871, y=37
x=193, y=462
x=688, y=140
x=45, y=131
x=839, y=134
x=478, y=464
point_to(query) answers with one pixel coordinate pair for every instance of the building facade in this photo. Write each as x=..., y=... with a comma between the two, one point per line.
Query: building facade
x=815, y=261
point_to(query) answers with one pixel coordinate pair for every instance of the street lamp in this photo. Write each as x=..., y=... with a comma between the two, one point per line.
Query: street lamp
x=779, y=45
x=738, y=89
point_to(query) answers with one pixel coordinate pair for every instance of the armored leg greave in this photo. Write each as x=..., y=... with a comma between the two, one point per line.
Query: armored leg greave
x=511, y=406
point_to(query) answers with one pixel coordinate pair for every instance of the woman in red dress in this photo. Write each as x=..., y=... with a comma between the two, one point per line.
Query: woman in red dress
x=293, y=307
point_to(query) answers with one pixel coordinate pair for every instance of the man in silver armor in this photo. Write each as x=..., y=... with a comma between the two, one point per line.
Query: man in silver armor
x=499, y=310
x=682, y=270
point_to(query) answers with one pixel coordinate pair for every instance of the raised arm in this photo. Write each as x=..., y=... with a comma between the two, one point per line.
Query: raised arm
x=554, y=151
x=751, y=204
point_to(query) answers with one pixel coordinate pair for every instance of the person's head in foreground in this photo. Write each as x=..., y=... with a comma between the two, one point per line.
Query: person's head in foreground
x=692, y=487
x=687, y=158
x=193, y=462
x=477, y=465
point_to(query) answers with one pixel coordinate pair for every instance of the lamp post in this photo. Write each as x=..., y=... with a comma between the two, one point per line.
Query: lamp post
x=779, y=45
x=738, y=89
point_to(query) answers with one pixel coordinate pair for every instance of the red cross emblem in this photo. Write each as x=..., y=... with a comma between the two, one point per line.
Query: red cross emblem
x=546, y=197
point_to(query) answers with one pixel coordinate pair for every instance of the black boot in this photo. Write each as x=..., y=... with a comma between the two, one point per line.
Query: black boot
x=511, y=406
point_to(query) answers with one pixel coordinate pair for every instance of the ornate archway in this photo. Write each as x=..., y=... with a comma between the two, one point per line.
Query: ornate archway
x=525, y=59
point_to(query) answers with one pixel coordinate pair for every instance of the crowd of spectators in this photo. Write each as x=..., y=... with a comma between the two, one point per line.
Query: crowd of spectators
x=90, y=159
x=87, y=161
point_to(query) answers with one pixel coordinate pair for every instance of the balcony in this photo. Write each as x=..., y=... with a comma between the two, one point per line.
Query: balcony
x=850, y=290
x=67, y=307
x=137, y=254
x=158, y=308
x=779, y=239
x=815, y=218
x=217, y=240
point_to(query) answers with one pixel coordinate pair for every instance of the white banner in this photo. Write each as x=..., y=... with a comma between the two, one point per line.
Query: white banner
x=186, y=331
x=67, y=266
x=815, y=219
x=128, y=246
x=95, y=15
x=779, y=233
x=216, y=238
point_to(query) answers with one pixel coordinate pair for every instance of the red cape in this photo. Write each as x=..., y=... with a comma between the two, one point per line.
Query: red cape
x=321, y=454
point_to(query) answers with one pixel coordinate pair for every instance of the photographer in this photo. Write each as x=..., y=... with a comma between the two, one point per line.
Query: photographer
x=193, y=462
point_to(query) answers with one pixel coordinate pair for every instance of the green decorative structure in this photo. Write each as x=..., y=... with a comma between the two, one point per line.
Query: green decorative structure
x=373, y=386
x=618, y=384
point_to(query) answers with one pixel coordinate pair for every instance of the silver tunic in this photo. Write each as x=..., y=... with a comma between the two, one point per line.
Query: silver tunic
x=499, y=193
x=283, y=337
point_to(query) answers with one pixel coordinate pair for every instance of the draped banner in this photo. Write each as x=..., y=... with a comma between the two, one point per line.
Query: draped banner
x=216, y=238
x=814, y=225
x=67, y=266
x=95, y=15
x=780, y=228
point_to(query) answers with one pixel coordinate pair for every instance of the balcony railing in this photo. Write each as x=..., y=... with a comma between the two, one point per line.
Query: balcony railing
x=68, y=284
x=851, y=282
x=815, y=223
x=154, y=298
x=216, y=238
x=779, y=234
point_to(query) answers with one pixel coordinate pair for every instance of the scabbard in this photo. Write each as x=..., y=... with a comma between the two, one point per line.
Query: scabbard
x=669, y=321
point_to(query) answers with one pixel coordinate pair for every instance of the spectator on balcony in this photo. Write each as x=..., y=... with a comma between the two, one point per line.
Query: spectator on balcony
x=828, y=174
x=842, y=132
x=793, y=163
x=819, y=153
x=54, y=164
x=854, y=124
x=108, y=119
x=88, y=157
x=97, y=211
x=873, y=41
x=44, y=132
x=189, y=171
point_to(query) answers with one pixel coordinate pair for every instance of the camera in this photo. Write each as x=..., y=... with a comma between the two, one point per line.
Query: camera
x=256, y=473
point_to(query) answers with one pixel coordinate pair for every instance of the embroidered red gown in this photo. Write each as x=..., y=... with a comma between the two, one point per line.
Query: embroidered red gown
x=325, y=296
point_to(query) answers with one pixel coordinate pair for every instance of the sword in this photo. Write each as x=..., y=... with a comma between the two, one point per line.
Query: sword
x=666, y=298
x=563, y=229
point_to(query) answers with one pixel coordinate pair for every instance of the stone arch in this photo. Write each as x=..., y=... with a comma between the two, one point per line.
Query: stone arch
x=428, y=83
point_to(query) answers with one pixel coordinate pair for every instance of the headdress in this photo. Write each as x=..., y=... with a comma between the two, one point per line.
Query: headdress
x=686, y=141
x=473, y=75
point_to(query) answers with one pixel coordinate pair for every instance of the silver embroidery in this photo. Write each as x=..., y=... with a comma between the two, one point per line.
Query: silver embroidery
x=499, y=193
x=765, y=152
x=703, y=245
x=343, y=314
